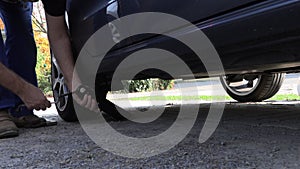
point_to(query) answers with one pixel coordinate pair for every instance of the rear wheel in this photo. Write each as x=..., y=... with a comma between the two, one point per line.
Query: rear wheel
x=252, y=88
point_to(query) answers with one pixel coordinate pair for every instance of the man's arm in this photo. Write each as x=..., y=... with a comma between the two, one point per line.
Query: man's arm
x=29, y=94
x=61, y=47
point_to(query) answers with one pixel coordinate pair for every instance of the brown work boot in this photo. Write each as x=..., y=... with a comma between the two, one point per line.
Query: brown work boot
x=7, y=126
x=32, y=121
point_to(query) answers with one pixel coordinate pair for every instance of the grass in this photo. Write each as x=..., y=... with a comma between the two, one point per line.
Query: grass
x=206, y=98
x=285, y=97
x=279, y=97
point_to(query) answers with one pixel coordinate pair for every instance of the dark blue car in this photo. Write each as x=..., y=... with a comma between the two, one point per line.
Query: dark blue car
x=258, y=41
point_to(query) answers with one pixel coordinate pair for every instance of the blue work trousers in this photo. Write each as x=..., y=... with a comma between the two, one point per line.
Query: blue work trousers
x=18, y=52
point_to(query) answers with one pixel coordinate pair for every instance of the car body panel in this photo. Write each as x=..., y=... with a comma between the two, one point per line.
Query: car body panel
x=250, y=36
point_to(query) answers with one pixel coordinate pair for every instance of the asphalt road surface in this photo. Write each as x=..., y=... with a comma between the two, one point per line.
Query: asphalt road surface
x=249, y=136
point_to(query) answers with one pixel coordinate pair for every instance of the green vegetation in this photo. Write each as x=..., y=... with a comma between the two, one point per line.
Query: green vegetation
x=279, y=97
x=285, y=97
x=204, y=98
x=147, y=85
x=43, y=75
x=43, y=66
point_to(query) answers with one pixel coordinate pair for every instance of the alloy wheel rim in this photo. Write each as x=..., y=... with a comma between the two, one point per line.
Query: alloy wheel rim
x=239, y=88
x=58, y=86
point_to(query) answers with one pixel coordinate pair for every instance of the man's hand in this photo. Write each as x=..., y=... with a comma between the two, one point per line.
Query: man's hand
x=33, y=98
x=29, y=94
x=82, y=96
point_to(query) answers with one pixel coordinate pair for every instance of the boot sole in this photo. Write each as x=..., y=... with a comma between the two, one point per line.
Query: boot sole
x=9, y=134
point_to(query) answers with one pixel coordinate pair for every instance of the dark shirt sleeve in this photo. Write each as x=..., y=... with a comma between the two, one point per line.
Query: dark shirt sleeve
x=55, y=7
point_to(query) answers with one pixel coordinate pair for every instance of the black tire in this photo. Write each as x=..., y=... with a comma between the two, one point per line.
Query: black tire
x=266, y=87
x=64, y=105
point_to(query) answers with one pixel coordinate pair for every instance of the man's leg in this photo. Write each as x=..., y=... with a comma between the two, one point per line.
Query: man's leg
x=6, y=97
x=7, y=126
x=20, y=50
